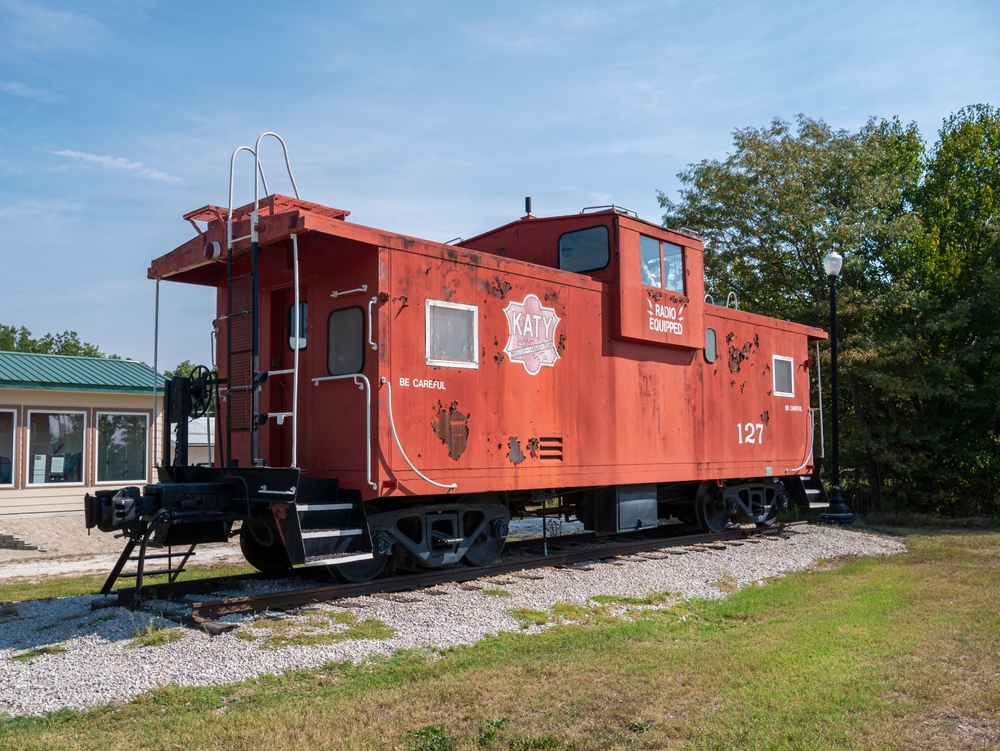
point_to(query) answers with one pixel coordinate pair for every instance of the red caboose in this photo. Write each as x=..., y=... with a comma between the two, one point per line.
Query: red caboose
x=571, y=358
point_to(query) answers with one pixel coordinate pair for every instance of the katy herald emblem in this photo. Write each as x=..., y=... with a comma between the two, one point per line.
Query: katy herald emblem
x=532, y=329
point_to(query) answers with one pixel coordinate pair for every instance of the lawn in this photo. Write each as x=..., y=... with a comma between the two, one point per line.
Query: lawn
x=900, y=652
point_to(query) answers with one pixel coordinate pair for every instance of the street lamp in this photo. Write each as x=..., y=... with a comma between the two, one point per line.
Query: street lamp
x=838, y=512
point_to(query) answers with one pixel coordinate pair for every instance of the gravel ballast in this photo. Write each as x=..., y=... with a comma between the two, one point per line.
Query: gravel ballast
x=101, y=663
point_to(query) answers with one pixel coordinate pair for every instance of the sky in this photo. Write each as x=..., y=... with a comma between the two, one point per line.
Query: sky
x=433, y=119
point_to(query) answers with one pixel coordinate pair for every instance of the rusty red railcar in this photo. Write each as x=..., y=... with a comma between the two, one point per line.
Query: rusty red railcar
x=425, y=391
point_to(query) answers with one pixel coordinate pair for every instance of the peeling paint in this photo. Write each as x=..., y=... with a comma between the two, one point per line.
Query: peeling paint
x=562, y=344
x=765, y=417
x=737, y=355
x=451, y=426
x=499, y=288
x=499, y=358
x=533, y=447
x=515, y=455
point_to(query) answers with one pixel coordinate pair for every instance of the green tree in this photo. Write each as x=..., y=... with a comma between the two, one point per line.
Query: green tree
x=19, y=339
x=783, y=200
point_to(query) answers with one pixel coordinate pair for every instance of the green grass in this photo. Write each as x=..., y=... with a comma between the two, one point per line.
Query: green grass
x=876, y=653
x=654, y=598
x=31, y=654
x=317, y=626
x=155, y=636
x=497, y=593
x=71, y=586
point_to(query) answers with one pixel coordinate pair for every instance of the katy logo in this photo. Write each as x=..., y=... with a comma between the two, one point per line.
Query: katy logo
x=532, y=329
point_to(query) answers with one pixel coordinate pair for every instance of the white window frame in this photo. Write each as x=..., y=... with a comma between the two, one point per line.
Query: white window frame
x=13, y=458
x=83, y=456
x=97, y=447
x=774, y=375
x=474, y=309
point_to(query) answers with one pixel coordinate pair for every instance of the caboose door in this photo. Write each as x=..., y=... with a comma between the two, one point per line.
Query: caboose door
x=281, y=386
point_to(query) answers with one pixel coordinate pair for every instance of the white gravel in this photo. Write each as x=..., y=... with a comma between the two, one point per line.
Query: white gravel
x=99, y=665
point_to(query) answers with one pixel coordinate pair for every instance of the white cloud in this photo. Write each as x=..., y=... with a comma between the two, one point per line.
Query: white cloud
x=19, y=89
x=118, y=163
x=30, y=27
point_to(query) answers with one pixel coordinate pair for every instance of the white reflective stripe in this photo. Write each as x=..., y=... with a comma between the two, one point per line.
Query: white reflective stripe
x=324, y=506
x=330, y=533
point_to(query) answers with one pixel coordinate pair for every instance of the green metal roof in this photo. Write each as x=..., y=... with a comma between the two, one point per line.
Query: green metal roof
x=24, y=370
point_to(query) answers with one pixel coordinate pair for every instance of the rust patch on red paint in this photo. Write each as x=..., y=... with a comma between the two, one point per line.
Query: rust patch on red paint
x=533, y=447
x=765, y=417
x=562, y=344
x=499, y=288
x=451, y=426
x=499, y=358
x=737, y=355
x=515, y=454
x=655, y=294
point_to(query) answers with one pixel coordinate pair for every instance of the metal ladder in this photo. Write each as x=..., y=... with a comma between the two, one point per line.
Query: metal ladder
x=243, y=322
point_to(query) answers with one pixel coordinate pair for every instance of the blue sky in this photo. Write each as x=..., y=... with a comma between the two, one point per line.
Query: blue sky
x=433, y=119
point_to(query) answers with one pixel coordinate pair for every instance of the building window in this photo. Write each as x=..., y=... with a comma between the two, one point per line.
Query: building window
x=585, y=249
x=711, y=349
x=55, y=447
x=7, y=424
x=345, y=331
x=121, y=447
x=303, y=326
x=783, y=368
x=662, y=264
x=452, y=334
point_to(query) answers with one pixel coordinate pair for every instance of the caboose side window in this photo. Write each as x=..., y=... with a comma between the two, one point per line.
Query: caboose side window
x=651, y=269
x=303, y=325
x=662, y=264
x=452, y=334
x=711, y=350
x=585, y=249
x=673, y=267
x=345, y=331
x=782, y=367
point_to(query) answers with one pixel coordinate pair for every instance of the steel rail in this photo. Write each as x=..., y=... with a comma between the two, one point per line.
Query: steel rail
x=297, y=598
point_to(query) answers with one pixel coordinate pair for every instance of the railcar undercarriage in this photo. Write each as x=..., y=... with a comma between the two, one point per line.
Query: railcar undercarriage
x=286, y=519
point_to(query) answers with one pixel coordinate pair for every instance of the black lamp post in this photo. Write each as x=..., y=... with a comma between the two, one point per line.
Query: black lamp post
x=837, y=513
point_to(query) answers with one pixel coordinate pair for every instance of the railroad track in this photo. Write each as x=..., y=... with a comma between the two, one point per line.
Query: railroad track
x=204, y=613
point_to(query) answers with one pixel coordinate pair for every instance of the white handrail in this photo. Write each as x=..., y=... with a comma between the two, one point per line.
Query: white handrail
x=288, y=166
x=370, y=340
x=258, y=167
x=809, y=453
x=295, y=364
x=363, y=384
x=392, y=427
x=819, y=391
x=362, y=288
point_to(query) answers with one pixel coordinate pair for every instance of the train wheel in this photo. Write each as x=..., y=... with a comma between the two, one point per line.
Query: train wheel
x=488, y=545
x=360, y=571
x=262, y=547
x=484, y=550
x=712, y=514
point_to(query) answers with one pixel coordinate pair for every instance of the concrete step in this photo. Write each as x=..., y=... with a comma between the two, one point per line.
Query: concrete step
x=9, y=542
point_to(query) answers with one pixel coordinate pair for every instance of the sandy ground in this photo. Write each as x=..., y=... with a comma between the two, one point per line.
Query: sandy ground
x=69, y=549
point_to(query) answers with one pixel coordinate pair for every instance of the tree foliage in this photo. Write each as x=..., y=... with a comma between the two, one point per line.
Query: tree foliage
x=19, y=339
x=919, y=293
